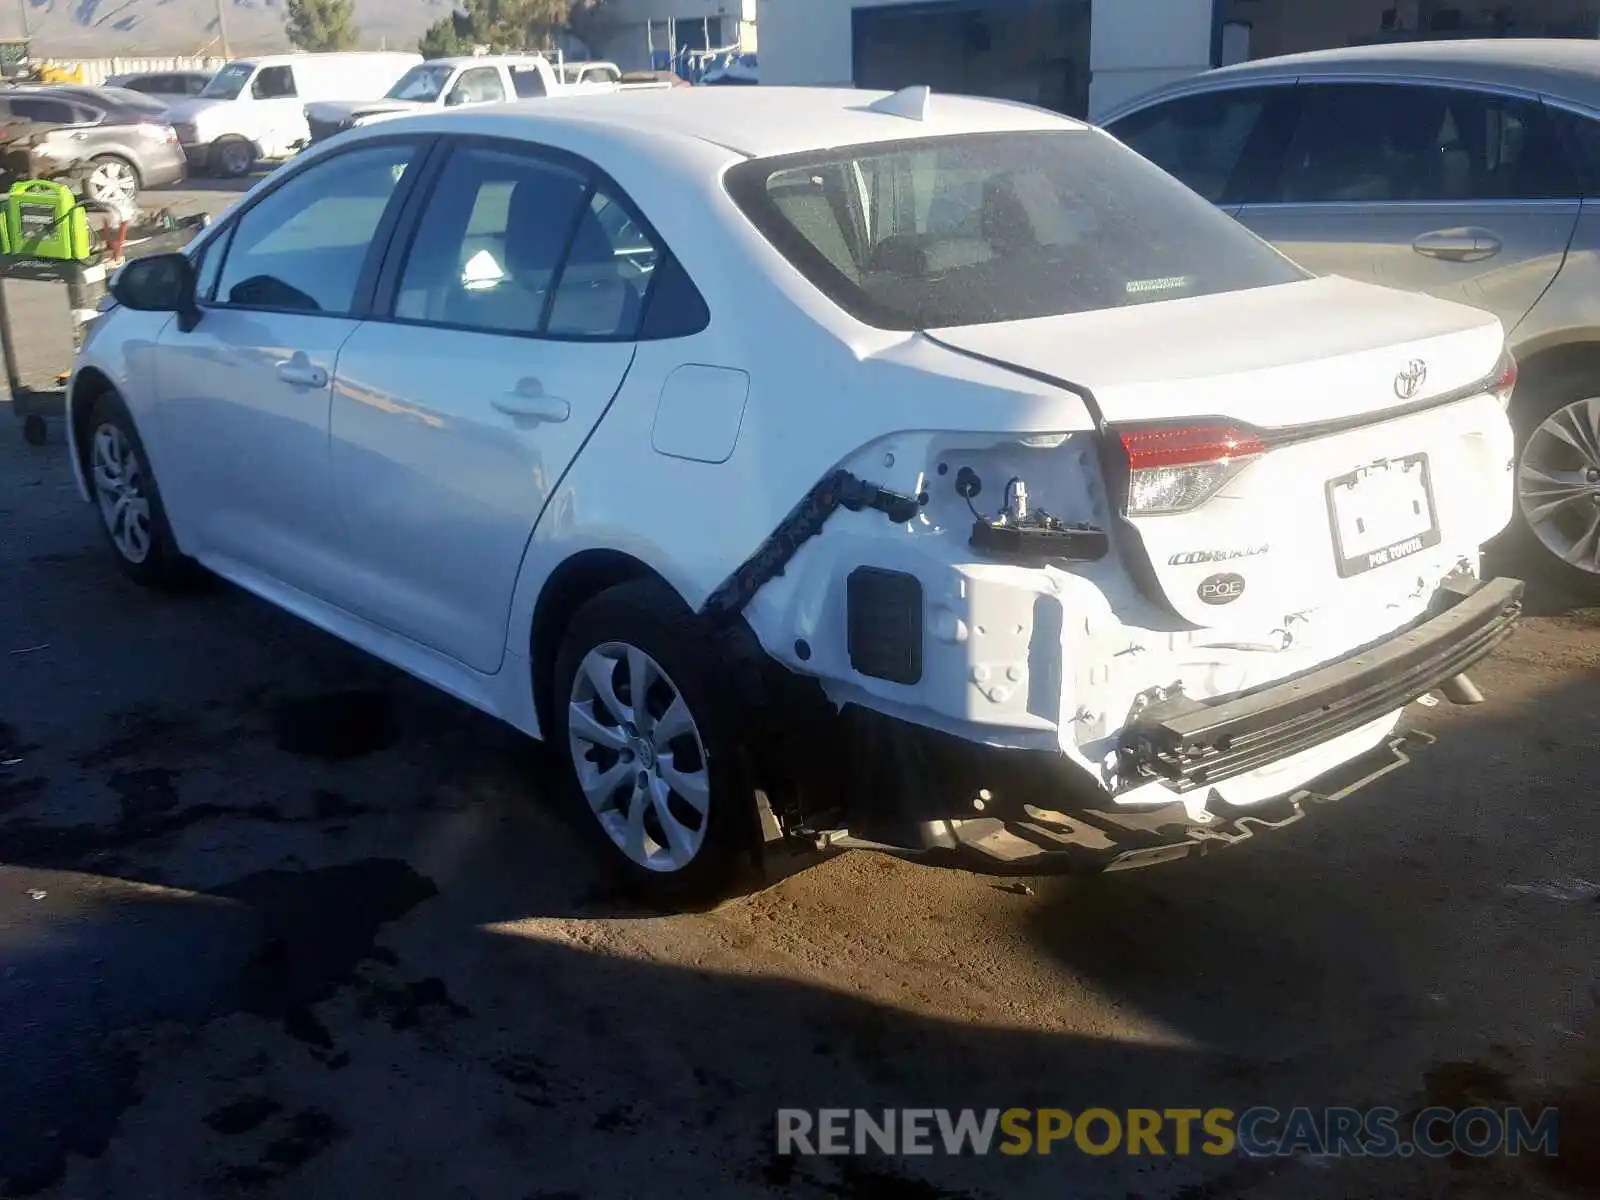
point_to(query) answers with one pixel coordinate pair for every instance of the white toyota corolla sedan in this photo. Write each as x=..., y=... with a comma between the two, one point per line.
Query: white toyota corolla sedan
x=925, y=473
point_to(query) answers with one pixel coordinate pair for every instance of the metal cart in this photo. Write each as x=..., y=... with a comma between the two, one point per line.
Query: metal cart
x=44, y=305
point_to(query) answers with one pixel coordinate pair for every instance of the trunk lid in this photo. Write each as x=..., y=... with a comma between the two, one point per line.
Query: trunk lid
x=1343, y=483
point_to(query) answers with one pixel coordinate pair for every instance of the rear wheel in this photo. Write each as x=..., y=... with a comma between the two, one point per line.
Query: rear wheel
x=1558, y=480
x=649, y=739
x=113, y=181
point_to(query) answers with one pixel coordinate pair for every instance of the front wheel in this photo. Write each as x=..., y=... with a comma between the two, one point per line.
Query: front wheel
x=650, y=743
x=232, y=158
x=1558, y=482
x=125, y=495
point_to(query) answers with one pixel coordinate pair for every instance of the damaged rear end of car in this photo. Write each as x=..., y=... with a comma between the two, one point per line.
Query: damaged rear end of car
x=1197, y=604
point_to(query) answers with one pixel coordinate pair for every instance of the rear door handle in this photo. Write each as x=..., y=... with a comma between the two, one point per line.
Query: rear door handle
x=531, y=402
x=1458, y=245
x=299, y=372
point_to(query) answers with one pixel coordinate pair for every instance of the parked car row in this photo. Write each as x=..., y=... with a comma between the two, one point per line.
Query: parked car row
x=918, y=472
x=476, y=79
x=124, y=136
x=1463, y=169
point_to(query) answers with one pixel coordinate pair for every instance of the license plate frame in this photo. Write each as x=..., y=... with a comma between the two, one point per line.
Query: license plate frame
x=1362, y=560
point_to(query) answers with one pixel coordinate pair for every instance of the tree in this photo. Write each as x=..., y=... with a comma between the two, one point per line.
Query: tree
x=321, y=24
x=501, y=25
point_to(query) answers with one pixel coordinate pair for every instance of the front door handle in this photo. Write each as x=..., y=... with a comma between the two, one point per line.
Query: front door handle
x=531, y=402
x=300, y=372
x=1458, y=245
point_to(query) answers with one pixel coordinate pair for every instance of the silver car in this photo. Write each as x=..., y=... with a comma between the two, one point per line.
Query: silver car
x=1468, y=169
x=123, y=136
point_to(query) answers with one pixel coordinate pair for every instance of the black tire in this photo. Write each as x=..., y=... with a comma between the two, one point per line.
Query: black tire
x=34, y=430
x=232, y=158
x=164, y=567
x=648, y=615
x=1537, y=399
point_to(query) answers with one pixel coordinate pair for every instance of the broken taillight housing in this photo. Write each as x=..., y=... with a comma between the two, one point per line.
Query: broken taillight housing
x=1504, y=380
x=1175, y=468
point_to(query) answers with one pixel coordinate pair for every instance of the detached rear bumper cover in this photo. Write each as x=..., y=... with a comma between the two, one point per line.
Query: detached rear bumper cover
x=1193, y=743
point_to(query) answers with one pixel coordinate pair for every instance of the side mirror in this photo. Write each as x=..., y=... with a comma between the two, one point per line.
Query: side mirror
x=159, y=283
x=455, y=98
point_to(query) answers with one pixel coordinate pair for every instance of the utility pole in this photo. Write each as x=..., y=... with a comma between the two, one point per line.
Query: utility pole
x=222, y=27
x=22, y=7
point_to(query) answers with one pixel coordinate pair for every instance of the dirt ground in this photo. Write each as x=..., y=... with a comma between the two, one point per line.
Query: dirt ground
x=277, y=921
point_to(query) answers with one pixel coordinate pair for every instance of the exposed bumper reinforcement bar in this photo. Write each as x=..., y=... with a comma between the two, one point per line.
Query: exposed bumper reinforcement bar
x=1194, y=743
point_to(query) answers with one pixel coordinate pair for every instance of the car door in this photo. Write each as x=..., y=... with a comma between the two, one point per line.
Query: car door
x=246, y=391
x=1212, y=141
x=507, y=331
x=1465, y=194
x=276, y=113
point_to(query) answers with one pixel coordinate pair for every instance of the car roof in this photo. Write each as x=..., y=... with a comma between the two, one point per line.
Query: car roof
x=754, y=122
x=469, y=60
x=1563, y=68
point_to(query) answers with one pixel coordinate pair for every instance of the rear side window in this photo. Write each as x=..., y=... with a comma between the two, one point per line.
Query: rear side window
x=1199, y=139
x=490, y=242
x=983, y=228
x=528, y=83
x=37, y=108
x=1376, y=143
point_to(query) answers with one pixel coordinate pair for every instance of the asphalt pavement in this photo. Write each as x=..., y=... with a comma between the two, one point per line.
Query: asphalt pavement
x=278, y=921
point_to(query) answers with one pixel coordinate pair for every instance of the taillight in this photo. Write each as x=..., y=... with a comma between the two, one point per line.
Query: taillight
x=1505, y=380
x=1175, y=468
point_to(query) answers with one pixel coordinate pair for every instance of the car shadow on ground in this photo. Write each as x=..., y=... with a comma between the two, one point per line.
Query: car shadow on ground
x=443, y=991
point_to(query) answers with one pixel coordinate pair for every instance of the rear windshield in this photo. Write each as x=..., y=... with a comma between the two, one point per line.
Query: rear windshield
x=980, y=228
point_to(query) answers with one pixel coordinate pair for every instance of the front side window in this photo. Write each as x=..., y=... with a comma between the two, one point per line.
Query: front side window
x=481, y=85
x=981, y=228
x=490, y=242
x=273, y=83
x=227, y=83
x=1199, y=139
x=302, y=248
x=1377, y=143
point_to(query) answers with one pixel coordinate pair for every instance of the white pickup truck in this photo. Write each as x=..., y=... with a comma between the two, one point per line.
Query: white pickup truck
x=478, y=79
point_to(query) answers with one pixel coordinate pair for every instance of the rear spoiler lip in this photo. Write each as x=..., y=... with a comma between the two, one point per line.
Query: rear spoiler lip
x=1288, y=435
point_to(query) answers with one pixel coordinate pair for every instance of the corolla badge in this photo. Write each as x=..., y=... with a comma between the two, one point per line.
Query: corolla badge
x=1409, y=382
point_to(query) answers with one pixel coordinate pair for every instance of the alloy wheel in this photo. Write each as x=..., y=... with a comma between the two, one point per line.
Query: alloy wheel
x=639, y=757
x=112, y=182
x=1558, y=484
x=120, y=493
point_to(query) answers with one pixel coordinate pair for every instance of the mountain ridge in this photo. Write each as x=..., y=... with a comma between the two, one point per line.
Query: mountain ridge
x=170, y=28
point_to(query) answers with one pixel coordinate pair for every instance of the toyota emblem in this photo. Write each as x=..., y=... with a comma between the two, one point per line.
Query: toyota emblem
x=1409, y=382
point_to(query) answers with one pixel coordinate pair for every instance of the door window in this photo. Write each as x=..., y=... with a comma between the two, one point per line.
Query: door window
x=273, y=83
x=528, y=83
x=303, y=247
x=1375, y=143
x=606, y=277
x=481, y=85
x=1200, y=139
x=38, y=108
x=490, y=242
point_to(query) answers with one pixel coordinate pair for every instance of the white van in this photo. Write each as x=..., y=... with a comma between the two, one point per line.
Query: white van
x=254, y=108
